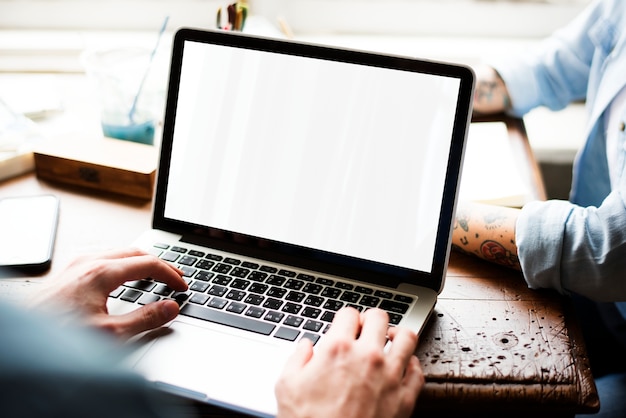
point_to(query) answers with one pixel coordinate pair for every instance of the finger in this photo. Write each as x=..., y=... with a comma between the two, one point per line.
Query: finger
x=145, y=266
x=412, y=383
x=150, y=316
x=346, y=322
x=300, y=357
x=375, y=323
x=403, y=345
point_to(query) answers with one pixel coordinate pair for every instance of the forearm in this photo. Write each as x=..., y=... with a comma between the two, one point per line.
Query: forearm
x=487, y=231
x=490, y=95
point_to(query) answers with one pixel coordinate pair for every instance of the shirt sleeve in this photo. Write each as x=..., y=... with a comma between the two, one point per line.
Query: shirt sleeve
x=55, y=370
x=557, y=71
x=574, y=249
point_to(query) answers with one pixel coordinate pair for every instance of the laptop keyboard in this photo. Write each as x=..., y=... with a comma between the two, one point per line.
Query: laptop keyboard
x=259, y=298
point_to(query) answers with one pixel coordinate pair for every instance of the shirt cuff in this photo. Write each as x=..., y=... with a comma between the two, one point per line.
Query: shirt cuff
x=539, y=235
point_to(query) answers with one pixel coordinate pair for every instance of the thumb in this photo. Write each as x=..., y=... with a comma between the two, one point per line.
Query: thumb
x=301, y=355
x=147, y=317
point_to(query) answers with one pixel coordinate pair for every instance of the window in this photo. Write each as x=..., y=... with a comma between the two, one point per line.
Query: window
x=439, y=17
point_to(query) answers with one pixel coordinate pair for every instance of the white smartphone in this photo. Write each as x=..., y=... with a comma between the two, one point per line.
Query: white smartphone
x=28, y=227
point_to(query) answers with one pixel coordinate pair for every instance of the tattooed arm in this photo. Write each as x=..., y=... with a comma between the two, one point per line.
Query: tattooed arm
x=486, y=231
x=491, y=94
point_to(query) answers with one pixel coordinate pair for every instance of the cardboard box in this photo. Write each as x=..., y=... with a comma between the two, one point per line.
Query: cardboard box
x=111, y=165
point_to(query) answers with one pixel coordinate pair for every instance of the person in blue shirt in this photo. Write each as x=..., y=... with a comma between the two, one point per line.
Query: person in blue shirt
x=62, y=358
x=577, y=247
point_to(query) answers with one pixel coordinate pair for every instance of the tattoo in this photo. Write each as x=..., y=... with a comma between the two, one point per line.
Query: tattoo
x=462, y=221
x=495, y=252
x=485, y=91
x=494, y=220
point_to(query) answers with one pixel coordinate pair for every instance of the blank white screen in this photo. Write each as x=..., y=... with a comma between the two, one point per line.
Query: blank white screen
x=340, y=157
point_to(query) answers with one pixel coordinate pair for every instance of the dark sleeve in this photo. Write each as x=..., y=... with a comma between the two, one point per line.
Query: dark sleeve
x=52, y=370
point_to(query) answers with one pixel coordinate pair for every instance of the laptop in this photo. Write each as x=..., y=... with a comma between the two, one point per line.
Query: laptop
x=294, y=179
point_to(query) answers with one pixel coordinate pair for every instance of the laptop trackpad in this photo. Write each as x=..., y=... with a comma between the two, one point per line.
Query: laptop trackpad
x=227, y=368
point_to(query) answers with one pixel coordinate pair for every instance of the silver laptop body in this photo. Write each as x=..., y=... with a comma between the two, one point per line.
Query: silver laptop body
x=294, y=179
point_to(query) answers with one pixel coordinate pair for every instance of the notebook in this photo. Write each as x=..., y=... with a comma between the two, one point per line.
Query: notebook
x=294, y=179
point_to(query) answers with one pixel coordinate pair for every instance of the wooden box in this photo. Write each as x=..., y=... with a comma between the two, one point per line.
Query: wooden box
x=111, y=165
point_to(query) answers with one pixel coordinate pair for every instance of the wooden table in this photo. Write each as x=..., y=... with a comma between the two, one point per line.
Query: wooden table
x=493, y=346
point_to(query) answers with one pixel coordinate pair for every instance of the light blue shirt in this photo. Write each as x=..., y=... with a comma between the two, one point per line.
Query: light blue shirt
x=577, y=246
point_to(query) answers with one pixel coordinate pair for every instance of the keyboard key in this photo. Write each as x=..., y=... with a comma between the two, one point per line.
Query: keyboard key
x=147, y=298
x=310, y=312
x=268, y=269
x=274, y=316
x=328, y=316
x=181, y=297
x=333, y=305
x=145, y=285
x=259, y=288
x=306, y=277
x=131, y=295
x=293, y=321
x=383, y=294
x=396, y=307
x=403, y=298
x=195, y=253
x=369, y=301
x=187, y=260
x=364, y=290
x=344, y=286
x=222, y=268
x=255, y=312
x=288, y=334
x=240, y=284
x=325, y=282
x=179, y=249
x=249, y=265
x=272, y=303
x=232, y=261
x=294, y=284
x=199, y=286
x=199, y=298
x=205, y=264
x=258, y=276
x=312, y=288
x=236, y=307
x=292, y=308
x=276, y=292
x=287, y=273
x=295, y=296
x=275, y=280
x=216, y=290
x=394, y=319
x=313, y=337
x=350, y=297
x=217, y=303
x=115, y=293
x=161, y=246
x=205, y=276
x=222, y=280
x=170, y=256
x=313, y=301
x=234, y=294
x=223, y=318
x=162, y=289
x=188, y=271
x=213, y=257
x=240, y=272
x=331, y=292
x=254, y=299
x=311, y=325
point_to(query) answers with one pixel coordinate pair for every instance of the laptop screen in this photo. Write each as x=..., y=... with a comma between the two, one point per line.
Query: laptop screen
x=344, y=158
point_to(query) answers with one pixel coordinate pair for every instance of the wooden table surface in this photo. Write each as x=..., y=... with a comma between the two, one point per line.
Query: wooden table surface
x=491, y=346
